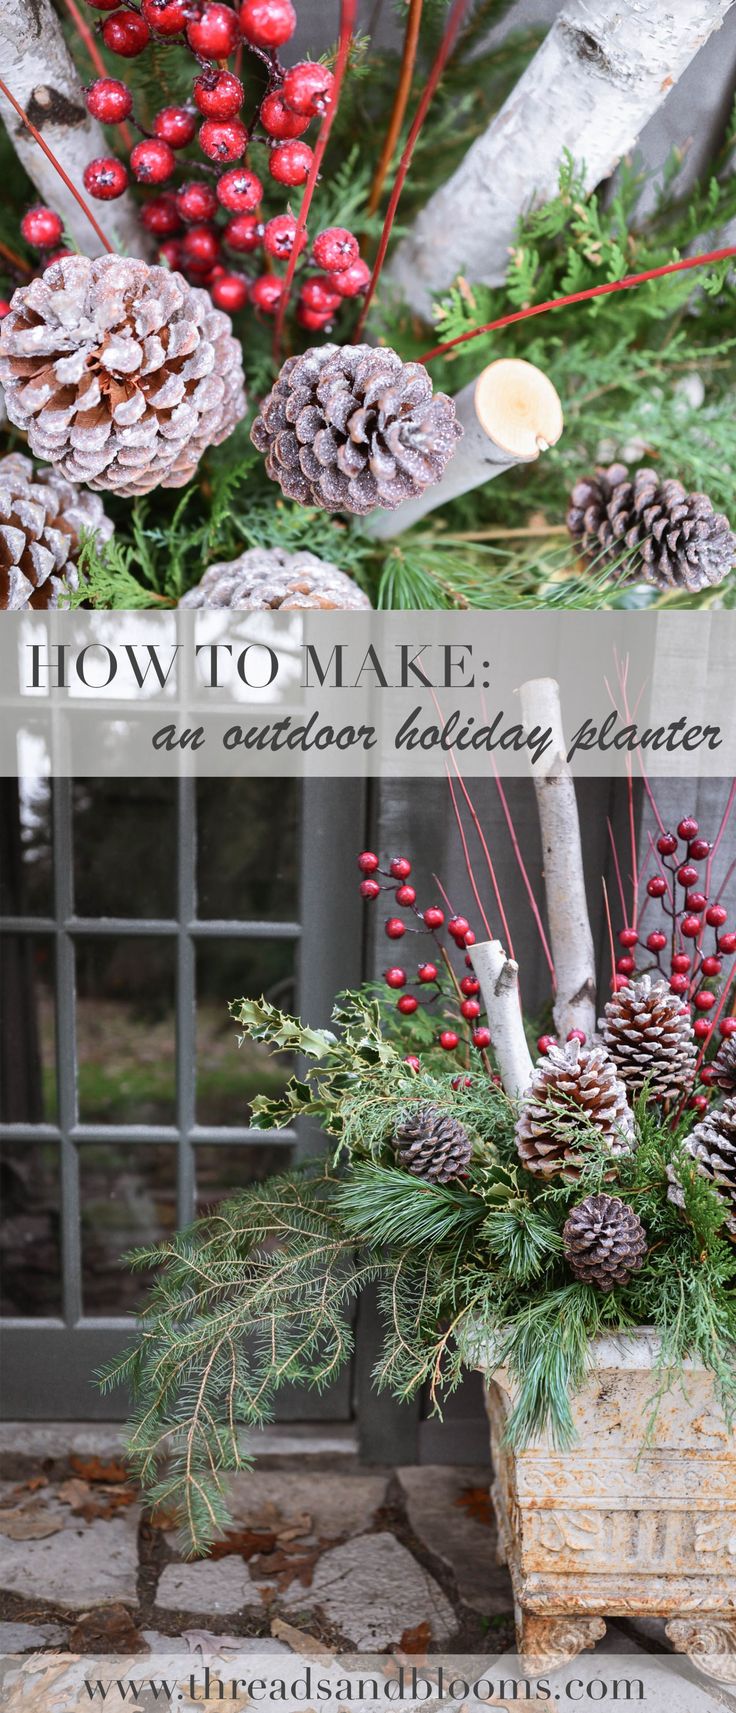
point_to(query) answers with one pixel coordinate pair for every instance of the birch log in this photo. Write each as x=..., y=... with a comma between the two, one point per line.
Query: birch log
x=601, y=72
x=39, y=71
x=571, y=940
x=499, y=985
x=508, y=415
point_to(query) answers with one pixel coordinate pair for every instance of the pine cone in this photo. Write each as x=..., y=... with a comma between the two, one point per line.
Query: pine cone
x=649, y=1035
x=348, y=428
x=573, y=1089
x=724, y=1066
x=712, y=1145
x=41, y=521
x=269, y=577
x=605, y=1242
x=681, y=542
x=432, y=1145
x=120, y=373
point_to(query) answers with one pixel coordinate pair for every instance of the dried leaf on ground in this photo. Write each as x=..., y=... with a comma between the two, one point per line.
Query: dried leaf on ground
x=99, y=1468
x=417, y=1639
x=247, y=1542
x=287, y=1567
x=300, y=1643
x=30, y=1522
x=478, y=1504
x=93, y=1503
x=204, y=1642
x=108, y=1629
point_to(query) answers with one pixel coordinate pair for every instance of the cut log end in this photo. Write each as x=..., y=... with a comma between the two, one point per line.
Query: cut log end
x=518, y=408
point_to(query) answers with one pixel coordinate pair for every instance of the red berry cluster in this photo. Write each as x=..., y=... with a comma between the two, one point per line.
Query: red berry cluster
x=430, y=989
x=206, y=225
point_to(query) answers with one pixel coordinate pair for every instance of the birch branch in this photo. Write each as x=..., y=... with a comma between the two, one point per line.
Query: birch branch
x=41, y=74
x=499, y=985
x=509, y=414
x=602, y=71
x=571, y=940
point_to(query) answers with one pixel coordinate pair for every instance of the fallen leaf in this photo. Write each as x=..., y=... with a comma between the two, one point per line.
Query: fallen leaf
x=73, y=1492
x=204, y=1642
x=247, y=1542
x=93, y=1503
x=309, y=1646
x=416, y=1640
x=479, y=1505
x=295, y=1529
x=108, y=1629
x=29, y=1524
x=99, y=1469
x=288, y=1567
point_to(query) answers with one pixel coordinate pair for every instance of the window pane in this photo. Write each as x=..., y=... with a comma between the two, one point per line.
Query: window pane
x=248, y=848
x=27, y=1029
x=124, y=847
x=222, y=1170
x=26, y=882
x=126, y=1040
x=128, y=1200
x=29, y=1229
x=228, y=1077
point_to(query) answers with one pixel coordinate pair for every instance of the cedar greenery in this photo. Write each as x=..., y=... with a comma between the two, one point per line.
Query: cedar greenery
x=261, y=1292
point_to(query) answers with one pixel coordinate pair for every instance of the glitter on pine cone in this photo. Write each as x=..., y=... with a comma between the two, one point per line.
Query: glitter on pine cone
x=432, y=1145
x=119, y=373
x=350, y=428
x=604, y=1242
x=574, y=1092
x=712, y=1145
x=671, y=539
x=269, y=577
x=724, y=1066
x=41, y=522
x=649, y=1035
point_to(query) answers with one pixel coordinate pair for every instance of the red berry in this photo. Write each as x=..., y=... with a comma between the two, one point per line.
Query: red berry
x=4, y=308
x=367, y=862
x=169, y=254
x=223, y=139
x=407, y=1003
x=727, y=1027
x=577, y=1035
x=279, y=120
x=412, y=1061
x=687, y=875
x=545, y=1042
x=711, y=966
x=699, y=849
x=315, y=320
x=666, y=844
x=335, y=249
x=433, y=917
x=230, y=292
x=307, y=88
x=690, y=926
x=469, y=938
x=278, y=240
x=396, y=977
x=618, y=982
x=481, y=1037
x=109, y=100
x=696, y=901
x=468, y=959
x=195, y=202
x=449, y=1040
x=104, y=5
x=244, y=233
x=166, y=17
x=688, y=828
x=395, y=928
x=317, y=294
x=200, y=247
x=218, y=94
x=41, y=227
x=626, y=966
x=698, y=1102
x=470, y=1010
x=705, y=1000
x=715, y=916
x=266, y=293
x=239, y=190
x=105, y=178
x=161, y=216
x=656, y=941
x=267, y=23
x=427, y=972
x=405, y=896
x=215, y=33
x=707, y=1074
x=350, y=282
x=657, y=886
x=151, y=162
x=727, y=944
x=681, y=963
x=126, y=33
x=175, y=126
x=369, y=889
x=458, y=927
x=400, y=868
x=628, y=937
x=679, y=983
x=470, y=986
x=289, y=163
x=702, y=1028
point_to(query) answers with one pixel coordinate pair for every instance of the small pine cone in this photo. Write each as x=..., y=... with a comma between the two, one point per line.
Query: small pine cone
x=605, y=1242
x=119, y=373
x=573, y=1089
x=432, y=1145
x=724, y=1066
x=712, y=1145
x=268, y=577
x=41, y=522
x=679, y=540
x=649, y=1035
x=349, y=428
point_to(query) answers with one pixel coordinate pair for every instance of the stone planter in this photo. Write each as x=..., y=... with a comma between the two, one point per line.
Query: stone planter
x=613, y=1527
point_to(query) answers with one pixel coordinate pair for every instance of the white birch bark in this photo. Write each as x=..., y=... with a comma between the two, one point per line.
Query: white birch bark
x=601, y=72
x=509, y=414
x=571, y=940
x=499, y=985
x=38, y=69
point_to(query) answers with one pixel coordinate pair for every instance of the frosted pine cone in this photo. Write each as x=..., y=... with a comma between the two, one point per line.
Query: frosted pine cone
x=41, y=522
x=432, y=1145
x=678, y=539
x=605, y=1242
x=649, y=1035
x=724, y=1066
x=349, y=428
x=120, y=374
x=269, y=577
x=712, y=1145
x=574, y=1090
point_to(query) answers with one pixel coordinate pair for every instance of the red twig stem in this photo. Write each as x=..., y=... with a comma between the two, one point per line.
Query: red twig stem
x=466, y=854
x=401, y=102
x=348, y=15
x=619, y=878
x=83, y=29
x=679, y=267
x=610, y=935
x=443, y=53
x=536, y=913
x=57, y=166
x=14, y=261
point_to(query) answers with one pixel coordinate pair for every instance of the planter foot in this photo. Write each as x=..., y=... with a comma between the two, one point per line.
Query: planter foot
x=710, y=1642
x=544, y=1643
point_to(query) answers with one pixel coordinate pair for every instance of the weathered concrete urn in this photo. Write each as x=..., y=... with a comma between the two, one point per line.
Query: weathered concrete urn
x=615, y=1526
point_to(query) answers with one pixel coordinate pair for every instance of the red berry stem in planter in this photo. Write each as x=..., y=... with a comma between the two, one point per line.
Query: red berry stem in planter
x=85, y=34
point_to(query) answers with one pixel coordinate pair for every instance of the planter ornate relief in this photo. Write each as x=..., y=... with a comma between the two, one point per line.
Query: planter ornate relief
x=614, y=1527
